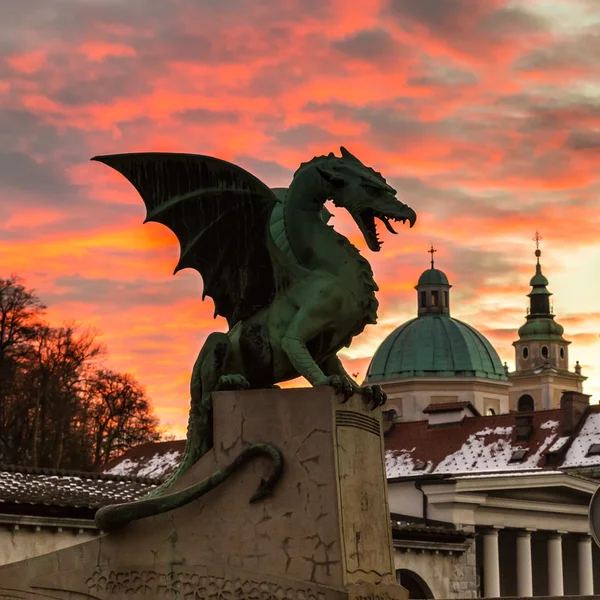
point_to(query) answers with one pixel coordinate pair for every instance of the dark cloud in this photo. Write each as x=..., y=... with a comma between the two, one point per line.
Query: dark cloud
x=103, y=88
x=121, y=295
x=584, y=140
x=270, y=172
x=374, y=45
x=444, y=78
x=512, y=23
x=24, y=128
x=433, y=14
x=470, y=27
x=573, y=54
x=303, y=135
x=20, y=171
x=203, y=116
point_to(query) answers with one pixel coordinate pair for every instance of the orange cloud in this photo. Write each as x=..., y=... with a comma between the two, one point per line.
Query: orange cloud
x=476, y=112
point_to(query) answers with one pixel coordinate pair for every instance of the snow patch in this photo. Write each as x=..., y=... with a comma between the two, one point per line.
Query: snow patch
x=158, y=465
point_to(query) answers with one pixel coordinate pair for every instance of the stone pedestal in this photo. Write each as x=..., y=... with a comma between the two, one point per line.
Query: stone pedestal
x=325, y=533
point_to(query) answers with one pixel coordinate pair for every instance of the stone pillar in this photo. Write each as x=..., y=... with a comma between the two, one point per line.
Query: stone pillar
x=524, y=566
x=586, y=570
x=555, y=565
x=491, y=564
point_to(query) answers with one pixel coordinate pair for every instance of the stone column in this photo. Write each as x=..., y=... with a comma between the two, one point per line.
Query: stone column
x=586, y=570
x=555, y=565
x=524, y=566
x=491, y=564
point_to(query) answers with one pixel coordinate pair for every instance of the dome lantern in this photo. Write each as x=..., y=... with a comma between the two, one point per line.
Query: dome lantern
x=433, y=291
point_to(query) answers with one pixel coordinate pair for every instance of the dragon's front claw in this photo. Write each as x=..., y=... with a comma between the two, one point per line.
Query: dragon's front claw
x=341, y=385
x=373, y=395
x=232, y=382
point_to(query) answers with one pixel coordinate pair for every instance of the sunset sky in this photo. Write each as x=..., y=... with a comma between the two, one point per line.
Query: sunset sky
x=483, y=114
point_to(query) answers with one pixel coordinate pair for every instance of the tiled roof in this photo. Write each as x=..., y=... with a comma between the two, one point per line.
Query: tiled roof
x=446, y=406
x=490, y=444
x=50, y=487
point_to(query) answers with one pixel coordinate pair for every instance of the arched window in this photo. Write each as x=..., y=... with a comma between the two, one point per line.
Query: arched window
x=525, y=403
x=525, y=352
x=414, y=584
x=545, y=352
x=562, y=353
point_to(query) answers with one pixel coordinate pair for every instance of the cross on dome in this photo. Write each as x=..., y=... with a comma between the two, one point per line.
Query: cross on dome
x=431, y=251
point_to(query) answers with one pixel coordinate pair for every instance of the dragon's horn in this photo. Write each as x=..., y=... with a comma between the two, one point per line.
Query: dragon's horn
x=348, y=155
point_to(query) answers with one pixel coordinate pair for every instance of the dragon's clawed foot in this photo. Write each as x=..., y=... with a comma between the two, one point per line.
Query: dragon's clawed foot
x=341, y=385
x=233, y=382
x=373, y=395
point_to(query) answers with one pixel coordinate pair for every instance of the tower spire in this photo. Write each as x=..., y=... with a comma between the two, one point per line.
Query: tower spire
x=536, y=238
x=431, y=251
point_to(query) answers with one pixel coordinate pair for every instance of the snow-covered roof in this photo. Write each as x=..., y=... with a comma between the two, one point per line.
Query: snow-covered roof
x=51, y=487
x=154, y=459
x=479, y=444
x=491, y=444
x=589, y=434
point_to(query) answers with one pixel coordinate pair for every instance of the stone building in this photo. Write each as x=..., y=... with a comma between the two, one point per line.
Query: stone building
x=517, y=485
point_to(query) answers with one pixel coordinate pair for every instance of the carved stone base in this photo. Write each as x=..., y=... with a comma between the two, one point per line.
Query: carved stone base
x=324, y=534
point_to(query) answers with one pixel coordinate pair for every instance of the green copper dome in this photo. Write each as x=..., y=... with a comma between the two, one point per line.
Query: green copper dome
x=433, y=277
x=435, y=346
x=541, y=329
x=538, y=280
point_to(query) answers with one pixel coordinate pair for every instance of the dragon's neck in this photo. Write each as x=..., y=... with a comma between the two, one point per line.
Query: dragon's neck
x=317, y=246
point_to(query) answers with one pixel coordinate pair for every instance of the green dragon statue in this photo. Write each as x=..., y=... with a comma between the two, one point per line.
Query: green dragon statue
x=292, y=289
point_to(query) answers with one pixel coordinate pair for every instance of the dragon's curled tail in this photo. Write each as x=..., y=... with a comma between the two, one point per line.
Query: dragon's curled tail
x=117, y=515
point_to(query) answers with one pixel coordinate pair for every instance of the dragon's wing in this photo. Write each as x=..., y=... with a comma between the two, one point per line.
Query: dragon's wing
x=220, y=215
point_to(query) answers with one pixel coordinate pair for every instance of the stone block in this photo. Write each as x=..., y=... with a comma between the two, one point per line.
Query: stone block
x=324, y=534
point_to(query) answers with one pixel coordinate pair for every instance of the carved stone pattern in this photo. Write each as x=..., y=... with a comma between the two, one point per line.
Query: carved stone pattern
x=192, y=586
x=346, y=418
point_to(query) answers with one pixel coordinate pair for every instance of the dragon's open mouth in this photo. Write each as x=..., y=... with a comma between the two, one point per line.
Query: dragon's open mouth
x=367, y=224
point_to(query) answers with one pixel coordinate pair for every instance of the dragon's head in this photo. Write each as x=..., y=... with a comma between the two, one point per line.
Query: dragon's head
x=365, y=194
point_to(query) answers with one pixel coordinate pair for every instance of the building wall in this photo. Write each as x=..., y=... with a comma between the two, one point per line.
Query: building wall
x=26, y=542
x=410, y=396
x=535, y=358
x=446, y=575
x=546, y=389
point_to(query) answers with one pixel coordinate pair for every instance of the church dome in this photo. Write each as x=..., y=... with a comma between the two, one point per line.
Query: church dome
x=435, y=346
x=433, y=277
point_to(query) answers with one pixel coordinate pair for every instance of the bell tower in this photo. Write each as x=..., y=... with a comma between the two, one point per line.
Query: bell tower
x=541, y=352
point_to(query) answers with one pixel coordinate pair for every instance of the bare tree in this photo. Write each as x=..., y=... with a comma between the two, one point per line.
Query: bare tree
x=58, y=407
